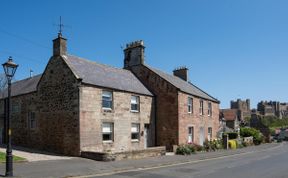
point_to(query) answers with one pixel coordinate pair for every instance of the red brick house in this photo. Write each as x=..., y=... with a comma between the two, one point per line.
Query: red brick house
x=184, y=112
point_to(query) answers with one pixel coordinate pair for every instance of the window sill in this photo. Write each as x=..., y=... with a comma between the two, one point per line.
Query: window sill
x=135, y=141
x=134, y=111
x=107, y=142
x=107, y=109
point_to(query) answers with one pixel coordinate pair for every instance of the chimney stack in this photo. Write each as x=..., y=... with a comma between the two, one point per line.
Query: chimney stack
x=134, y=54
x=181, y=72
x=59, y=46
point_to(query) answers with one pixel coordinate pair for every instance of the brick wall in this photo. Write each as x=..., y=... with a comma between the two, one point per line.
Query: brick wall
x=166, y=106
x=92, y=116
x=172, y=118
x=194, y=119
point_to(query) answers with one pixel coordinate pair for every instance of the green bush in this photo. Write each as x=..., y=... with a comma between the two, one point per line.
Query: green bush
x=185, y=149
x=256, y=134
x=213, y=145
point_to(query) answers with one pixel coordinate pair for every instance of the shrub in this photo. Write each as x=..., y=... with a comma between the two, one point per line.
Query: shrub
x=185, y=149
x=256, y=134
x=213, y=145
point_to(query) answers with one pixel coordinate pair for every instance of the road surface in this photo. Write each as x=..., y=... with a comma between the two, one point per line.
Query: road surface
x=271, y=163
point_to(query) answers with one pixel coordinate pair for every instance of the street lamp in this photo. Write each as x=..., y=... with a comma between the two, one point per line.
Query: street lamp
x=10, y=69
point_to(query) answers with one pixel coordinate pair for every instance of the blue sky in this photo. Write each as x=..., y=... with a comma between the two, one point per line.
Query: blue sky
x=233, y=49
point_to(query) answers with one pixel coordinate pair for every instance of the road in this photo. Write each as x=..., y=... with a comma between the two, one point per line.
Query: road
x=270, y=163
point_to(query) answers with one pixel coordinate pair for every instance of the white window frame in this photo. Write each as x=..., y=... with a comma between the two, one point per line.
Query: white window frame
x=135, y=100
x=209, y=133
x=135, y=130
x=108, y=129
x=190, y=105
x=190, y=134
x=32, y=120
x=107, y=96
x=209, y=109
x=201, y=108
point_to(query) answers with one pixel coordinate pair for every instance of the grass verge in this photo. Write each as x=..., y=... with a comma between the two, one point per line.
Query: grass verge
x=15, y=158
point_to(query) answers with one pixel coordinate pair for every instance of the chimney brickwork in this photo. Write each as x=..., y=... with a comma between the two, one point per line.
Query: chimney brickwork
x=134, y=54
x=181, y=72
x=59, y=46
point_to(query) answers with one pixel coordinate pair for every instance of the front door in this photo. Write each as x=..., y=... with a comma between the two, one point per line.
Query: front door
x=201, y=136
x=146, y=133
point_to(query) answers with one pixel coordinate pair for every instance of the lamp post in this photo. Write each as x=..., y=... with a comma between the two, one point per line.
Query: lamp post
x=10, y=69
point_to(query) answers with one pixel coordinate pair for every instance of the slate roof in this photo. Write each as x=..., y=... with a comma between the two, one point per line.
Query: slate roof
x=105, y=76
x=24, y=86
x=184, y=86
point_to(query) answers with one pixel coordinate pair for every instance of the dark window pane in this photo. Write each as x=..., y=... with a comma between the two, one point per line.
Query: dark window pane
x=135, y=136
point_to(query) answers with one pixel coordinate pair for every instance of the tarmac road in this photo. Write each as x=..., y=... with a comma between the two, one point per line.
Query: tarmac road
x=271, y=163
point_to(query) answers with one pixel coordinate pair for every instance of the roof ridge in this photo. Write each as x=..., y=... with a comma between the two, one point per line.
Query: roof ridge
x=27, y=78
x=182, y=81
x=202, y=90
x=97, y=63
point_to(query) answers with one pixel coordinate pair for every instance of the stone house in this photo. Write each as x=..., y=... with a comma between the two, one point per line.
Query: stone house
x=78, y=105
x=184, y=112
x=231, y=118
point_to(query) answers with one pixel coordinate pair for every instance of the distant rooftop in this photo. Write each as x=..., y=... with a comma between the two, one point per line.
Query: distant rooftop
x=24, y=86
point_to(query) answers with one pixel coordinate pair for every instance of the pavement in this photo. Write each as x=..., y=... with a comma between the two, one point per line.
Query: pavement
x=80, y=167
x=33, y=155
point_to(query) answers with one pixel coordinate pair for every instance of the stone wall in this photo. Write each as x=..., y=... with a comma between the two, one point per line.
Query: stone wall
x=136, y=154
x=58, y=110
x=92, y=116
x=195, y=120
x=20, y=106
x=166, y=98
